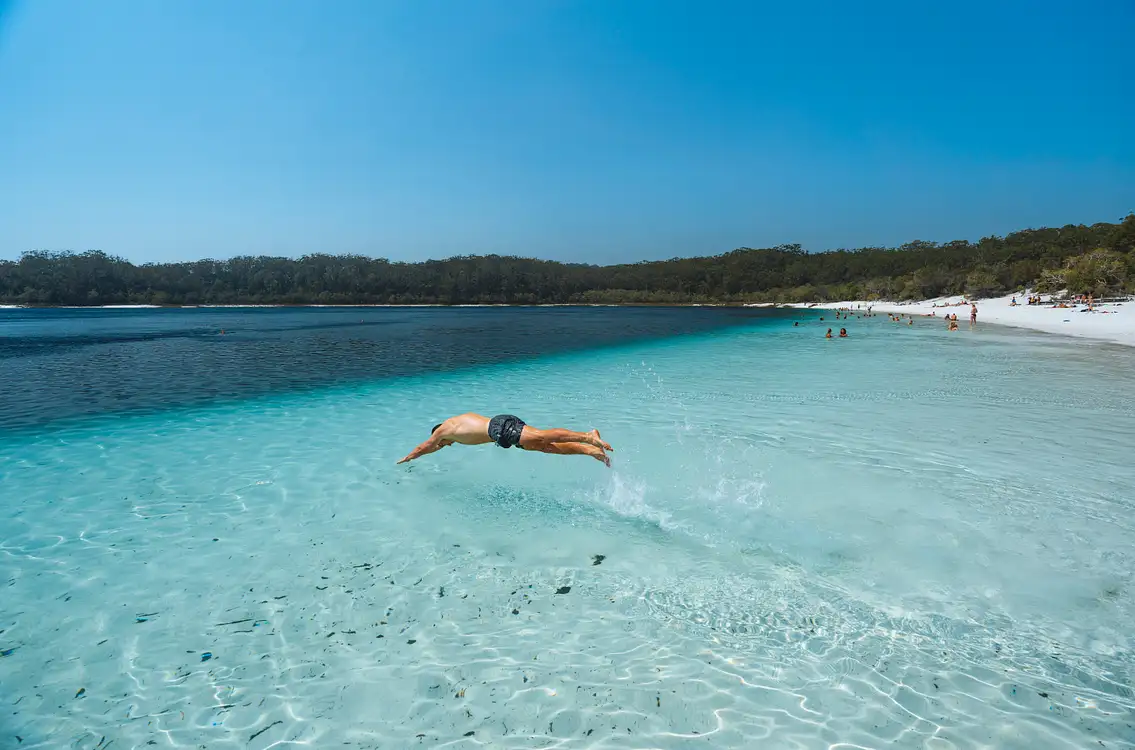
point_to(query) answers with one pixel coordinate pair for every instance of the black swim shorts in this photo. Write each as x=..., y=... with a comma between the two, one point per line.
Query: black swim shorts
x=505, y=429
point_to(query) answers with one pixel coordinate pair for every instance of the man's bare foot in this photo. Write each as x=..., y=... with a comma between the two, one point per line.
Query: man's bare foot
x=599, y=455
x=599, y=442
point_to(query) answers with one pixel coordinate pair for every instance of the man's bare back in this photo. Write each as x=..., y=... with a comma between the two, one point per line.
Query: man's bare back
x=506, y=431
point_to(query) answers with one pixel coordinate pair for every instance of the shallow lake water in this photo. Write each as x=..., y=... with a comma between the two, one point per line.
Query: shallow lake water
x=906, y=538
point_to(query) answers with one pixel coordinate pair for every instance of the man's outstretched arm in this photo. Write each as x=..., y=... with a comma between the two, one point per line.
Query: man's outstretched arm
x=429, y=446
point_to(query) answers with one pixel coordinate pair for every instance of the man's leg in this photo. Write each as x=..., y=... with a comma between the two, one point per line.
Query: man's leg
x=573, y=449
x=531, y=438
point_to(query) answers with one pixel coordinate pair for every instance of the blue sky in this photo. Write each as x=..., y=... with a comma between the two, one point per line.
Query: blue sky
x=596, y=131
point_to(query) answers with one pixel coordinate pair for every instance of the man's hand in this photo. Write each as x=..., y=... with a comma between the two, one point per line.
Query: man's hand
x=429, y=446
x=413, y=454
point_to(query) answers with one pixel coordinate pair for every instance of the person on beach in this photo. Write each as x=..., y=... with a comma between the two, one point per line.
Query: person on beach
x=973, y=315
x=506, y=431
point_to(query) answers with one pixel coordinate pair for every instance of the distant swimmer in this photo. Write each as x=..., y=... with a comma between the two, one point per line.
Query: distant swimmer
x=506, y=431
x=828, y=335
x=843, y=333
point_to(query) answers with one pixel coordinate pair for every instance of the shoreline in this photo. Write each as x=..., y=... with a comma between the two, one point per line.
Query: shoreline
x=1113, y=322
x=402, y=304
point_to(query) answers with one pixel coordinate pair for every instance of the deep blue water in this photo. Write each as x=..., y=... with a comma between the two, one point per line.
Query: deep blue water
x=62, y=364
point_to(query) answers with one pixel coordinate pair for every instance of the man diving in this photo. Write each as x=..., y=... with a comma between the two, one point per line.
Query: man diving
x=506, y=431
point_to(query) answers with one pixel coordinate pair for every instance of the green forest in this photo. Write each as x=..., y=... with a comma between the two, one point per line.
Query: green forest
x=1099, y=259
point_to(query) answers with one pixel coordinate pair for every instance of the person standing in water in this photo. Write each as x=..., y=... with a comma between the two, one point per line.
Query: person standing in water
x=507, y=431
x=973, y=315
x=828, y=335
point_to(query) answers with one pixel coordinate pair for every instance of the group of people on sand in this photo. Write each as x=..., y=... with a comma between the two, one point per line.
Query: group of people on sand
x=1080, y=299
x=1085, y=299
x=845, y=313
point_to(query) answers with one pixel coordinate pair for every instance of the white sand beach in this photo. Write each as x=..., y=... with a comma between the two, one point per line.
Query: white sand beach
x=1110, y=321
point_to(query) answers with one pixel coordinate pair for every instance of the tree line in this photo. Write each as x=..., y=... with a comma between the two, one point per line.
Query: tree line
x=1099, y=259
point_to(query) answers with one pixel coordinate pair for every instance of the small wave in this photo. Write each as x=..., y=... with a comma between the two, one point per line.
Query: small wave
x=626, y=496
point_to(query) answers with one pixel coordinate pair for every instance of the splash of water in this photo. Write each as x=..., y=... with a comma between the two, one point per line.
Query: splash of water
x=626, y=496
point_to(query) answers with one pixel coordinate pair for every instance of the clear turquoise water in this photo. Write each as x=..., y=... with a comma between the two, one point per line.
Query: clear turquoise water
x=904, y=539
